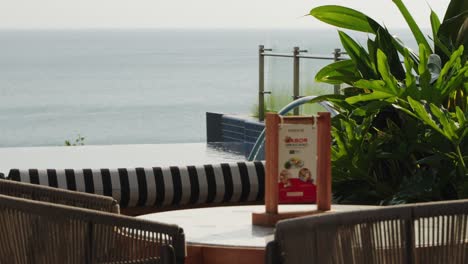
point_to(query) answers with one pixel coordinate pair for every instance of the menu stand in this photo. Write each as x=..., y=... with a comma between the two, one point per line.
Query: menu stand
x=271, y=215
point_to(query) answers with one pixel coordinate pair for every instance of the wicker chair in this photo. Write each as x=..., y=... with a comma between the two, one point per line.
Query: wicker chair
x=417, y=233
x=441, y=232
x=41, y=232
x=58, y=196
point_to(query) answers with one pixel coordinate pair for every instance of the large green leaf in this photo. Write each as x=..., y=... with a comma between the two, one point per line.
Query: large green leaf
x=462, y=38
x=454, y=85
x=460, y=116
x=338, y=72
x=435, y=24
x=341, y=149
x=418, y=35
x=455, y=8
x=372, y=49
x=351, y=19
x=385, y=43
x=338, y=101
x=421, y=112
x=375, y=95
x=457, y=28
x=359, y=55
x=449, y=127
x=408, y=111
x=410, y=80
x=439, y=46
x=388, y=78
x=451, y=77
x=424, y=73
x=370, y=108
x=453, y=31
x=441, y=49
x=374, y=85
x=345, y=18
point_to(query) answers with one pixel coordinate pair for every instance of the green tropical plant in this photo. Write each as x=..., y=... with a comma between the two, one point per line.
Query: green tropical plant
x=79, y=141
x=401, y=134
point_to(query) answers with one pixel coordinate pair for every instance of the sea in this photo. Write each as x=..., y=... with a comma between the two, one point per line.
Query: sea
x=113, y=87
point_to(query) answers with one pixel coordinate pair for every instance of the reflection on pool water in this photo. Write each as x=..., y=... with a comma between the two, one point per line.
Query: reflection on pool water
x=114, y=156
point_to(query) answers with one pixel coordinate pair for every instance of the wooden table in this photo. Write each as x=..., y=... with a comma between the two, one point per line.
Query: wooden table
x=226, y=234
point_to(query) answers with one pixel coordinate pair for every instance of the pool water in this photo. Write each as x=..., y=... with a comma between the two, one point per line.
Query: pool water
x=114, y=156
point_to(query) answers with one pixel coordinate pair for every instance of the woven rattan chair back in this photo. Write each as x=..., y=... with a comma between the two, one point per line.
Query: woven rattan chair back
x=435, y=232
x=58, y=196
x=40, y=232
x=441, y=232
x=371, y=236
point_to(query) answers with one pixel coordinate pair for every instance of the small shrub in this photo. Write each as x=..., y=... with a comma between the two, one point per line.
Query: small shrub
x=79, y=141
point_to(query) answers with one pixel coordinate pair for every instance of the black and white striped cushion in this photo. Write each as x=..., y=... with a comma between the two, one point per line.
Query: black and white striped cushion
x=159, y=186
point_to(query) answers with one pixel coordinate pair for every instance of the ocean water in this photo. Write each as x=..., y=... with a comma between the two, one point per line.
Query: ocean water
x=138, y=86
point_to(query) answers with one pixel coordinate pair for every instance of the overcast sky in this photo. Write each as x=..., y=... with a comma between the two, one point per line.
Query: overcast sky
x=27, y=14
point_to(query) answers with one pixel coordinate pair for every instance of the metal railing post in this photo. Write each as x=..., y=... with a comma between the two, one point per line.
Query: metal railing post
x=336, y=57
x=296, y=77
x=261, y=83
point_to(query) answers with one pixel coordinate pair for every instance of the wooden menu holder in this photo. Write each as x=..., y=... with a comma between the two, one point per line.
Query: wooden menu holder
x=271, y=215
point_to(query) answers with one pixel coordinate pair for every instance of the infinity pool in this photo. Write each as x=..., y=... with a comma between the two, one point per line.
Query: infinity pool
x=114, y=156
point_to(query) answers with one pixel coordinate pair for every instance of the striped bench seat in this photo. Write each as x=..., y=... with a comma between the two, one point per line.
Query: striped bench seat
x=160, y=188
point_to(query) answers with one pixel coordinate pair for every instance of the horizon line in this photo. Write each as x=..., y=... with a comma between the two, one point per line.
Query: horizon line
x=175, y=28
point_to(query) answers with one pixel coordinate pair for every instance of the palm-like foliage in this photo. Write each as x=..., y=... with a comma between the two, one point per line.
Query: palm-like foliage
x=401, y=136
